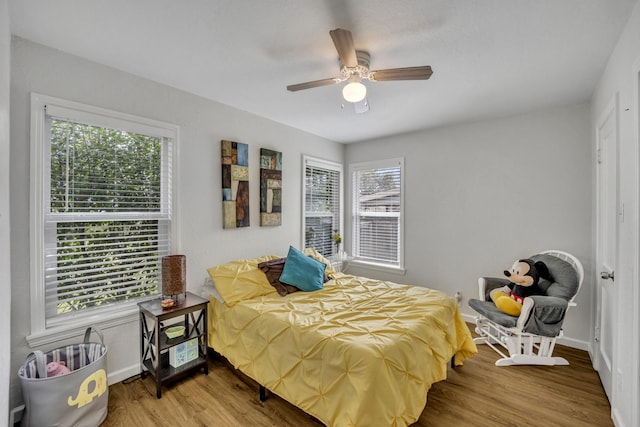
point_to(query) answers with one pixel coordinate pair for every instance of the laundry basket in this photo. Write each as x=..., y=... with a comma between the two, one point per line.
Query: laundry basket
x=77, y=398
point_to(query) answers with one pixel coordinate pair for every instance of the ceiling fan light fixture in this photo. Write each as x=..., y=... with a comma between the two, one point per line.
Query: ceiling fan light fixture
x=354, y=90
x=354, y=66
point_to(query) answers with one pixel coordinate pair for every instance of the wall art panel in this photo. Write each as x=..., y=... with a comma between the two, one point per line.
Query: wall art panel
x=235, y=184
x=270, y=187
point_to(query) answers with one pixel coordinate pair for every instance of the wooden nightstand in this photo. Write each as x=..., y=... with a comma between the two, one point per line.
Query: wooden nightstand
x=170, y=358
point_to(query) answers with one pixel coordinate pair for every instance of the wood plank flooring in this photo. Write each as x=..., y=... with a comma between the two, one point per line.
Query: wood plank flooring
x=477, y=394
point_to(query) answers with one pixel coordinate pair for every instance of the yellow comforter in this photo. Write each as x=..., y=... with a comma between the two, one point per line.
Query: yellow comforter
x=360, y=352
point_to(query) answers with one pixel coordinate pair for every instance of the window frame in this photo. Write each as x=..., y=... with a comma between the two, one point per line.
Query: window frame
x=310, y=161
x=358, y=261
x=42, y=106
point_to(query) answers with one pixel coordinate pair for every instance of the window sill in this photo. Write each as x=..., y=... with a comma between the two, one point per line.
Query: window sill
x=378, y=267
x=76, y=327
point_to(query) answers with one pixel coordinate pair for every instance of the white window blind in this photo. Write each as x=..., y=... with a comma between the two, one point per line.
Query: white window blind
x=107, y=209
x=322, y=204
x=377, y=212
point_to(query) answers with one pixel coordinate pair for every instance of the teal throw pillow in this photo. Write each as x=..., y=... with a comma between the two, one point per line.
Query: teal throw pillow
x=303, y=272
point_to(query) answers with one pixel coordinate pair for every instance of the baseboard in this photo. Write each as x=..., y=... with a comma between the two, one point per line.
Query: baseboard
x=574, y=343
x=616, y=418
x=567, y=341
x=123, y=374
x=15, y=416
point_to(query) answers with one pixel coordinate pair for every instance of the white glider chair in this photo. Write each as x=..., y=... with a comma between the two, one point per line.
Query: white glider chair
x=530, y=338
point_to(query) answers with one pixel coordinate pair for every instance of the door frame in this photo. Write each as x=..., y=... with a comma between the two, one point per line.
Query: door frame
x=612, y=109
x=635, y=327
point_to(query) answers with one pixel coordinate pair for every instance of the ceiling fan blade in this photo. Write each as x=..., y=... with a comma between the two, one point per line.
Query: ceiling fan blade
x=343, y=41
x=407, y=73
x=315, y=83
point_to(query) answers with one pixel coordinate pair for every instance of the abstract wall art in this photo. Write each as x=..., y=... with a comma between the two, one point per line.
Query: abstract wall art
x=270, y=187
x=235, y=184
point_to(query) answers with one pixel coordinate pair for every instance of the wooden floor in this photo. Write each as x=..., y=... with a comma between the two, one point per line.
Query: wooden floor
x=477, y=394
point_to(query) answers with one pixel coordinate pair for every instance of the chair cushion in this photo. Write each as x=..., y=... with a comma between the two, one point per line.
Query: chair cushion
x=489, y=310
x=565, y=278
x=547, y=316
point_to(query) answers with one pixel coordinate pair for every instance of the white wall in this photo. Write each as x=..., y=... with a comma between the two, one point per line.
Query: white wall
x=5, y=226
x=621, y=78
x=481, y=195
x=202, y=125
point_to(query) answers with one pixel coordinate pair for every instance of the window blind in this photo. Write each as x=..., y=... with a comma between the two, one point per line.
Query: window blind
x=322, y=205
x=108, y=217
x=377, y=210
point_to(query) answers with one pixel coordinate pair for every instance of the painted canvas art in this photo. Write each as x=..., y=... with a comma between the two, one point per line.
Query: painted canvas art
x=270, y=187
x=235, y=184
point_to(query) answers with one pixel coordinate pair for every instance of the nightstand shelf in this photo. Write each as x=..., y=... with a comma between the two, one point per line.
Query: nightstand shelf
x=168, y=372
x=166, y=342
x=155, y=346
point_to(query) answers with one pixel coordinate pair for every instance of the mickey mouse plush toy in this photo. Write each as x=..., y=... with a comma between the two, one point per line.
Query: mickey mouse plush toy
x=524, y=277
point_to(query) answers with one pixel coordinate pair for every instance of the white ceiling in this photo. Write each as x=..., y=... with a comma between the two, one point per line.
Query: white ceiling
x=490, y=58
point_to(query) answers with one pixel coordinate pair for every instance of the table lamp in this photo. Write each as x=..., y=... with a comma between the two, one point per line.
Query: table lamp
x=174, y=276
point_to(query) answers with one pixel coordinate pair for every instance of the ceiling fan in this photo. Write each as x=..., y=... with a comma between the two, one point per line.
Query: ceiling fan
x=354, y=67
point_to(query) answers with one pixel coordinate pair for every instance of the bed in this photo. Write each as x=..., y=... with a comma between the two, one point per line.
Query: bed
x=358, y=352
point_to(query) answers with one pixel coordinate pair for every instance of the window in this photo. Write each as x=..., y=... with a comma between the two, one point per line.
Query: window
x=377, y=212
x=322, y=204
x=101, y=209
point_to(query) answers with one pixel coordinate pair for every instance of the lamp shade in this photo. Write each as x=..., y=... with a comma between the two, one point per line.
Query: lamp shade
x=354, y=91
x=174, y=274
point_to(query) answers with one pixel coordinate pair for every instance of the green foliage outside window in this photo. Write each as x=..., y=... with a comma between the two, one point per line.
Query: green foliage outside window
x=103, y=170
x=114, y=177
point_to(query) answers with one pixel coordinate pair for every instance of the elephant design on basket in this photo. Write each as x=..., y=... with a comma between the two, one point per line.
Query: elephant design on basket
x=84, y=397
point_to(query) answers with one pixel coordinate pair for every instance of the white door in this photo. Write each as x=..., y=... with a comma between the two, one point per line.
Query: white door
x=607, y=242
